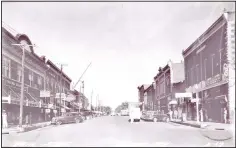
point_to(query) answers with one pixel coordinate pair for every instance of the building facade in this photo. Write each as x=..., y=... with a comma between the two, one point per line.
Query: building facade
x=206, y=72
x=149, y=99
x=141, y=95
x=34, y=108
x=39, y=76
x=169, y=81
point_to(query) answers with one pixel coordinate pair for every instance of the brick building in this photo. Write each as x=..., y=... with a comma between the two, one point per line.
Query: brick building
x=149, y=97
x=12, y=77
x=141, y=95
x=39, y=75
x=169, y=81
x=206, y=71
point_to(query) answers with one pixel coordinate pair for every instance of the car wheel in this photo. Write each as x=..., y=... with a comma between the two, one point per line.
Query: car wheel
x=155, y=120
x=77, y=120
x=167, y=119
x=58, y=123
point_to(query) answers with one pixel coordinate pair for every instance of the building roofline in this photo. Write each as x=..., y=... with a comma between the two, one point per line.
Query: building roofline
x=57, y=69
x=184, y=52
x=162, y=70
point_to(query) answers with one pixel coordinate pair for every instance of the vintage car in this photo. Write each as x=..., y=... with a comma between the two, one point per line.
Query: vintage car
x=70, y=117
x=155, y=116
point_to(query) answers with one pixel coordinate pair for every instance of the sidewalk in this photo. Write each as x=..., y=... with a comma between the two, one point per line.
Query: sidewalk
x=25, y=128
x=211, y=130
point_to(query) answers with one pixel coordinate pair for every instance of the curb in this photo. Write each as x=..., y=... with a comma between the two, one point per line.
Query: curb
x=215, y=139
x=27, y=129
x=188, y=124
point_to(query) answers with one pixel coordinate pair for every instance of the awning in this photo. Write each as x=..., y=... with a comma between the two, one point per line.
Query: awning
x=173, y=102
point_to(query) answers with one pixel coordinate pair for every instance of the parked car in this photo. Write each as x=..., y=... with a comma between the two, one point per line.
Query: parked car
x=88, y=114
x=71, y=117
x=155, y=116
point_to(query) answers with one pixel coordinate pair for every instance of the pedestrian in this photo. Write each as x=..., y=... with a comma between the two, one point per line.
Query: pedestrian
x=175, y=114
x=4, y=119
x=201, y=115
x=27, y=120
x=170, y=114
x=225, y=115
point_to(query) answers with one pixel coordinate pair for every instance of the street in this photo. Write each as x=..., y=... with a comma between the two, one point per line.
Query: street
x=113, y=131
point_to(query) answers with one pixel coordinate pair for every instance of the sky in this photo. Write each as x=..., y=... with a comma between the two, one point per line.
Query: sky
x=126, y=42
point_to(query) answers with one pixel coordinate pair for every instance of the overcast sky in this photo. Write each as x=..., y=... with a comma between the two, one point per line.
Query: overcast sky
x=126, y=42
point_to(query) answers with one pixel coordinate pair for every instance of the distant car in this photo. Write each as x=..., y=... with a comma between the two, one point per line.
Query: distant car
x=155, y=116
x=71, y=117
x=113, y=114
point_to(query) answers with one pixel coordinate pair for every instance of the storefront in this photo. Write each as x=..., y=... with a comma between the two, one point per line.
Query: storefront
x=215, y=100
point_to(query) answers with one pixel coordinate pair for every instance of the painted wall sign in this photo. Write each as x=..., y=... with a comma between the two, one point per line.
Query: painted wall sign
x=213, y=80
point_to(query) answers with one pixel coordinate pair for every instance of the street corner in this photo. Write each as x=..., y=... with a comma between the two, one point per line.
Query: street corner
x=217, y=135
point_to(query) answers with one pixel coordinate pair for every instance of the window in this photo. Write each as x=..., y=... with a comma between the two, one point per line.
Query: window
x=31, y=78
x=188, y=78
x=197, y=73
x=47, y=83
x=212, y=64
x=39, y=81
x=205, y=69
x=19, y=73
x=162, y=88
x=6, y=67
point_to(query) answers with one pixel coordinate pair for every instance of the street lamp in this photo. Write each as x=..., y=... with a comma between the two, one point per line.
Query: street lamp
x=22, y=46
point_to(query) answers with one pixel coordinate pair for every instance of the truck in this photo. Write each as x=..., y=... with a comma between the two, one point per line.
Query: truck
x=134, y=111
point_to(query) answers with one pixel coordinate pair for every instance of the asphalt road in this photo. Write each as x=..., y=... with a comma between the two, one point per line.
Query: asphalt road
x=113, y=131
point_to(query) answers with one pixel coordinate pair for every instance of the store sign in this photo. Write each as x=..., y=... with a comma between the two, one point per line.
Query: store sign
x=44, y=93
x=183, y=95
x=47, y=110
x=213, y=80
x=60, y=95
x=63, y=110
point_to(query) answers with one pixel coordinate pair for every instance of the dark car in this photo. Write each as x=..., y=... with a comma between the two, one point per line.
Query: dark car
x=88, y=114
x=155, y=116
x=71, y=117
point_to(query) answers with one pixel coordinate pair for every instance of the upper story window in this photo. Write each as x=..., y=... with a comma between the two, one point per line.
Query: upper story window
x=6, y=67
x=31, y=78
x=212, y=64
x=197, y=73
x=39, y=81
x=162, y=91
x=205, y=69
x=19, y=73
x=192, y=76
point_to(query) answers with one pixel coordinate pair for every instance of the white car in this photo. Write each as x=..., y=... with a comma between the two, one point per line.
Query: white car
x=113, y=114
x=134, y=114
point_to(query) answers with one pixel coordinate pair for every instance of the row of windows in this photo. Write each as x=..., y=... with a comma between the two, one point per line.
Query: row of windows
x=207, y=68
x=13, y=70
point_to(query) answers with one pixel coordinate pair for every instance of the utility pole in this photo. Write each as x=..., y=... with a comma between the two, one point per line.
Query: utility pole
x=23, y=80
x=79, y=98
x=97, y=103
x=61, y=88
x=81, y=76
x=91, y=100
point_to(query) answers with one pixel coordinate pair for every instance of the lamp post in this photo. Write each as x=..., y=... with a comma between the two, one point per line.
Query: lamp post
x=22, y=46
